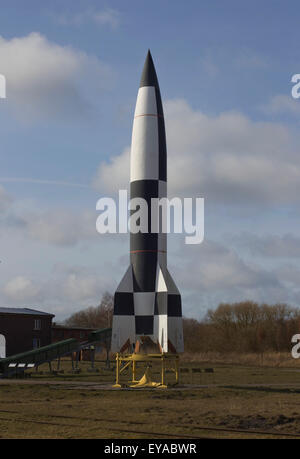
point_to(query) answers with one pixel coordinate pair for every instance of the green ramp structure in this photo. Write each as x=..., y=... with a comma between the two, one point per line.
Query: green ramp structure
x=31, y=359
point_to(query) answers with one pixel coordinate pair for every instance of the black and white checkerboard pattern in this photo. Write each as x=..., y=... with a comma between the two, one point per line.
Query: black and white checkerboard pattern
x=147, y=301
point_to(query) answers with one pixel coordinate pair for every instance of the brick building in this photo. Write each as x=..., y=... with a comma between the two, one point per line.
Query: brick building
x=23, y=329
x=60, y=332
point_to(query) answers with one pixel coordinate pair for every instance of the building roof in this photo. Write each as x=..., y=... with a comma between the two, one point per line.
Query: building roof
x=28, y=311
x=70, y=327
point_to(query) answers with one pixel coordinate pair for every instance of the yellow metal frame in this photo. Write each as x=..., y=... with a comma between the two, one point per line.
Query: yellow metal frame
x=130, y=360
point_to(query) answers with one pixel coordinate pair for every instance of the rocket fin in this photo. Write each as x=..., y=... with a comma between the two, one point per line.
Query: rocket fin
x=168, y=315
x=123, y=327
x=161, y=285
x=175, y=333
x=175, y=327
x=126, y=284
x=123, y=331
x=172, y=289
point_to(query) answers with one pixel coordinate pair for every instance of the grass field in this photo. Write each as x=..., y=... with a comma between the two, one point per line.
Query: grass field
x=232, y=402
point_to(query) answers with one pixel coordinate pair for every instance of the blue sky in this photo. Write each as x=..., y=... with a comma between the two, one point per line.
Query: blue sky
x=72, y=71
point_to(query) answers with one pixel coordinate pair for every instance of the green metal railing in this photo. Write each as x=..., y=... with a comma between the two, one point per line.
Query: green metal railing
x=41, y=354
x=52, y=351
x=102, y=334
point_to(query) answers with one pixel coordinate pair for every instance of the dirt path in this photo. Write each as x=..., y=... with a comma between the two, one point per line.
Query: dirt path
x=108, y=386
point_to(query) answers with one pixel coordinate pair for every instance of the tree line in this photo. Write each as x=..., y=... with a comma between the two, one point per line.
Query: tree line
x=241, y=327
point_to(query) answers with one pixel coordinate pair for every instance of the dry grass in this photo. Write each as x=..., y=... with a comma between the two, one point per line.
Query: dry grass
x=235, y=401
x=267, y=359
x=50, y=411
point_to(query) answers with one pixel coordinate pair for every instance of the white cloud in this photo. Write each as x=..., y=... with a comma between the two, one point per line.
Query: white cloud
x=42, y=182
x=211, y=273
x=271, y=245
x=228, y=158
x=5, y=199
x=45, y=79
x=78, y=287
x=106, y=17
x=212, y=266
x=65, y=290
x=291, y=275
x=281, y=103
x=113, y=176
x=109, y=17
x=59, y=227
x=21, y=289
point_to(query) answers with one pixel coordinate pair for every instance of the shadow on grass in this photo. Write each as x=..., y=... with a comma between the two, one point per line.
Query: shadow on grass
x=268, y=389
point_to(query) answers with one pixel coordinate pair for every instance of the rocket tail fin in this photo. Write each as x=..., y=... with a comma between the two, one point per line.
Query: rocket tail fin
x=168, y=313
x=123, y=327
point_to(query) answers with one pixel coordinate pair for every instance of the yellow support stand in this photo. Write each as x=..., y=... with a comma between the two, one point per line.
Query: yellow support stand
x=177, y=371
x=134, y=371
x=163, y=386
x=117, y=371
x=130, y=360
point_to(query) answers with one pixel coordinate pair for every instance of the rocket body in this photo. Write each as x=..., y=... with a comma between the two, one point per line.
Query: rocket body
x=147, y=303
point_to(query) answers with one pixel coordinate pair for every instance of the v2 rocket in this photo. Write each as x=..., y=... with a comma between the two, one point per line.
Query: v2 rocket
x=147, y=304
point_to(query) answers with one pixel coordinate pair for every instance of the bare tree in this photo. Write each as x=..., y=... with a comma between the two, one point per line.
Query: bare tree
x=95, y=316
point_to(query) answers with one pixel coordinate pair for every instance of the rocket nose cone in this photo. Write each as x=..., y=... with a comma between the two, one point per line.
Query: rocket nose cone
x=149, y=77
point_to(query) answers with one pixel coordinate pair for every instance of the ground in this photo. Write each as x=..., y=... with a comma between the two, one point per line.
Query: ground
x=232, y=402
